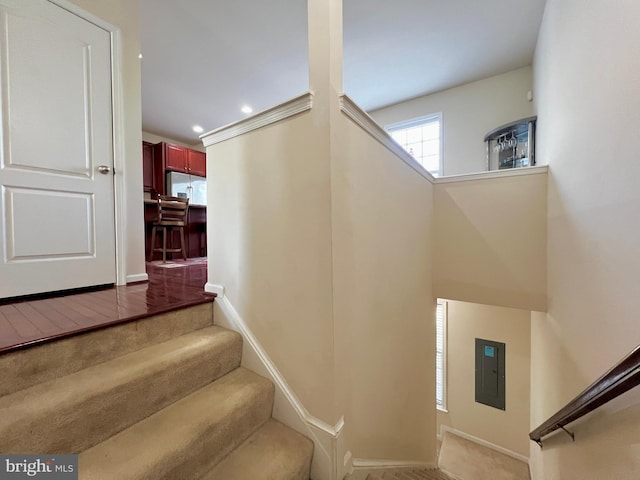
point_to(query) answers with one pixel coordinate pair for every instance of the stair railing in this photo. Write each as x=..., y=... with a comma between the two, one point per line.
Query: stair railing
x=624, y=376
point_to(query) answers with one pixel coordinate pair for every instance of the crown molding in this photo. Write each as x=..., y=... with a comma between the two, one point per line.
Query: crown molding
x=270, y=116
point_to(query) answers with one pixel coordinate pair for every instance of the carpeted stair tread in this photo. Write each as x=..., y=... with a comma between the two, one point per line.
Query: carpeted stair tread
x=188, y=438
x=413, y=474
x=41, y=363
x=273, y=452
x=92, y=404
x=463, y=458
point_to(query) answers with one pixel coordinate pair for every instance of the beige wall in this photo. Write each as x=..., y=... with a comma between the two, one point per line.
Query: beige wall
x=507, y=428
x=269, y=245
x=312, y=265
x=490, y=241
x=587, y=73
x=383, y=306
x=469, y=112
x=123, y=14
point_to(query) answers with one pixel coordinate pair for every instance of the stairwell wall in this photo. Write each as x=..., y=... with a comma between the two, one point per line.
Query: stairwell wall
x=587, y=73
x=490, y=240
x=383, y=302
x=269, y=245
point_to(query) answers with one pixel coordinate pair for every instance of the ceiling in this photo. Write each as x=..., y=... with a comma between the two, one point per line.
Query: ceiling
x=204, y=59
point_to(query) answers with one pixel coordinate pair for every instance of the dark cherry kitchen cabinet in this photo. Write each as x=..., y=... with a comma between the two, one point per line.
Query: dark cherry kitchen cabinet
x=197, y=163
x=174, y=158
x=196, y=232
x=147, y=167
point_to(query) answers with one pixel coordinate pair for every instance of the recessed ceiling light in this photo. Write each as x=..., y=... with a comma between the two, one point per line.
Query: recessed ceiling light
x=246, y=109
x=140, y=56
x=198, y=129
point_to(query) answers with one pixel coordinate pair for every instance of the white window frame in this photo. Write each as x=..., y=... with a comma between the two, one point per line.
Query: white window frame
x=419, y=121
x=442, y=304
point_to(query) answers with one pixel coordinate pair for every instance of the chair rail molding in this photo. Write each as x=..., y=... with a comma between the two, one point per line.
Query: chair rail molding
x=369, y=125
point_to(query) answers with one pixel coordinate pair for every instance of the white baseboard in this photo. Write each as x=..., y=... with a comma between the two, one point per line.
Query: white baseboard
x=484, y=443
x=328, y=440
x=380, y=464
x=139, y=277
x=213, y=288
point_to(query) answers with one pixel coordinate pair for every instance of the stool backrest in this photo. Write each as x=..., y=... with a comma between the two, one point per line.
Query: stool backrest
x=172, y=210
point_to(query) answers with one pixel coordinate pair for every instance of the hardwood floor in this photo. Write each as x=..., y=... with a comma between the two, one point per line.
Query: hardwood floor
x=174, y=285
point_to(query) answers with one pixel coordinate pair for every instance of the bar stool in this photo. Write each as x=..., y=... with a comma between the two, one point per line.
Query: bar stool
x=172, y=213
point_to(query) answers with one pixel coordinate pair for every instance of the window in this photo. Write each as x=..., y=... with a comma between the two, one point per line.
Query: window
x=421, y=138
x=441, y=355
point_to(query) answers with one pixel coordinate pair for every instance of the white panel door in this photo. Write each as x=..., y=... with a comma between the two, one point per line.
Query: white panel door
x=57, y=209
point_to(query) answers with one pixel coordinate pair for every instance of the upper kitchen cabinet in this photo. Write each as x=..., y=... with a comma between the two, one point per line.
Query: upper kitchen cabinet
x=175, y=158
x=197, y=163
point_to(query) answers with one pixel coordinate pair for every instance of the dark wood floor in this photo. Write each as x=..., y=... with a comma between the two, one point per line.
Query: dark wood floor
x=30, y=321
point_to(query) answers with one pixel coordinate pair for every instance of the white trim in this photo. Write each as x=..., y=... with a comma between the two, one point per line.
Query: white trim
x=380, y=464
x=80, y=12
x=369, y=125
x=325, y=459
x=333, y=431
x=118, y=135
x=272, y=115
x=213, y=288
x=484, y=443
x=140, y=277
x=511, y=172
x=445, y=359
x=119, y=155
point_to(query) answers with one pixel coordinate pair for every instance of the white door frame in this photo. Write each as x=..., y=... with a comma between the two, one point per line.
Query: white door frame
x=117, y=106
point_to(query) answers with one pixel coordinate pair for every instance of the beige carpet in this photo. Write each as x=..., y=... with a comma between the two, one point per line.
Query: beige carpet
x=469, y=461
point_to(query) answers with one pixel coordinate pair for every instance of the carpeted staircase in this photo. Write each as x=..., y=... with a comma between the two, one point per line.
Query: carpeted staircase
x=405, y=474
x=411, y=474
x=159, y=398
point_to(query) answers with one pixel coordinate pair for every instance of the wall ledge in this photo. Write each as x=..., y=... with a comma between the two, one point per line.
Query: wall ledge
x=513, y=172
x=369, y=125
x=270, y=116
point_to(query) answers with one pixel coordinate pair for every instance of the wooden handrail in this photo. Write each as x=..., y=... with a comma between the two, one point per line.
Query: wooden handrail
x=622, y=377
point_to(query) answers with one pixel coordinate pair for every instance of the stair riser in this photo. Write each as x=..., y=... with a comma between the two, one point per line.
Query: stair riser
x=104, y=409
x=24, y=368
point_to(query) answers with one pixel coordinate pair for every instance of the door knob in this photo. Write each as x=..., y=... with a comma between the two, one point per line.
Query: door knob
x=104, y=169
